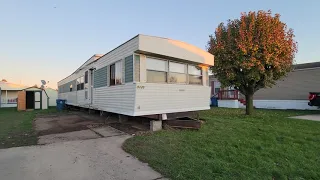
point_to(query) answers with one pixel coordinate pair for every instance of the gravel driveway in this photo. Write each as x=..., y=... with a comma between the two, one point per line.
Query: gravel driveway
x=94, y=159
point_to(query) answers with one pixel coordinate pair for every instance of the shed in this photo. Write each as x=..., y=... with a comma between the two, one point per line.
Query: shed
x=32, y=98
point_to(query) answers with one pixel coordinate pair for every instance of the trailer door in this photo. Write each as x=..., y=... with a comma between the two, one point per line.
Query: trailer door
x=37, y=100
x=88, y=79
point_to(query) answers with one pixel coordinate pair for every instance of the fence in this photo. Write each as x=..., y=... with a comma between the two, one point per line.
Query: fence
x=228, y=94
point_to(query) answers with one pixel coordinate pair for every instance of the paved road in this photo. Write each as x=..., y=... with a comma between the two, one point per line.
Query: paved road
x=94, y=159
x=313, y=117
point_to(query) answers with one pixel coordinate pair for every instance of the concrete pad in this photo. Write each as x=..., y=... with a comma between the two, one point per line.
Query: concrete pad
x=313, y=117
x=95, y=159
x=69, y=136
x=107, y=131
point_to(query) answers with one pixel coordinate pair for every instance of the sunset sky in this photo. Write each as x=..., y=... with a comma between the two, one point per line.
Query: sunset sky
x=50, y=39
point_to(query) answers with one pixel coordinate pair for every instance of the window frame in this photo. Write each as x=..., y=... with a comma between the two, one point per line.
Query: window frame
x=113, y=82
x=166, y=69
x=80, y=83
x=185, y=72
x=168, y=72
x=193, y=75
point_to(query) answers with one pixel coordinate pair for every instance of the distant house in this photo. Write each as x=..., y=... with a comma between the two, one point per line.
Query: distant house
x=9, y=94
x=290, y=92
x=53, y=96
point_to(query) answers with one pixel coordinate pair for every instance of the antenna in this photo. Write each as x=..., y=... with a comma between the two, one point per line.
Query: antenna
x=43, y=82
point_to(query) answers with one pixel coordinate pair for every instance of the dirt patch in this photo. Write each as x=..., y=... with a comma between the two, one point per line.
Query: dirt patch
x=80, y=121
x=75, y=121
x=134, y=125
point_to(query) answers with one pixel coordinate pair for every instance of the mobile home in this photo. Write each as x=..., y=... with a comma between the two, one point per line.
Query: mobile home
x=146, y=75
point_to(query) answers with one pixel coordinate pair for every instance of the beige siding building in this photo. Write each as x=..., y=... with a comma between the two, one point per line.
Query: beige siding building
x=303, y=79
x=291, y=92
x=9, y=94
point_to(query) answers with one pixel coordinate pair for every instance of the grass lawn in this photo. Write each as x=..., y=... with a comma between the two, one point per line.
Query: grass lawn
x=231, y=145
x=16, y=128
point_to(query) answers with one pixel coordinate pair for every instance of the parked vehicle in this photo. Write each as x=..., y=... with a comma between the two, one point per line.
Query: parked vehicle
x=314, y=99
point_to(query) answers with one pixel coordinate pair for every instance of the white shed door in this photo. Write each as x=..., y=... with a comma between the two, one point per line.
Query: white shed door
x=37, y=100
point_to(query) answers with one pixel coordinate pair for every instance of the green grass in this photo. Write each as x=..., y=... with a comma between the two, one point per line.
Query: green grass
x=230, y=145
x=16, y=128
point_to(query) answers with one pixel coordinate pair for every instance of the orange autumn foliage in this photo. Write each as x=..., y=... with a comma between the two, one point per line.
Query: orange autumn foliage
x=252, y=52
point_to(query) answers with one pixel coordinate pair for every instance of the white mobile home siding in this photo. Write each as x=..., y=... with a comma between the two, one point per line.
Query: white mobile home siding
x=135, y=97
x=120, y=98
x=154, y=98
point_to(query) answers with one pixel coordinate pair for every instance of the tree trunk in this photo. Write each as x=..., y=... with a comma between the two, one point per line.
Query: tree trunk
x=249, y=104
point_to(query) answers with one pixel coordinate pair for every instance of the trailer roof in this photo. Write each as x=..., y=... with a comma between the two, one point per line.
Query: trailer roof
x=163, y=47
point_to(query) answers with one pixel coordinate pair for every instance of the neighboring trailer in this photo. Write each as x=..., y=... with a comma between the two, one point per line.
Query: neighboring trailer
x=144, y=76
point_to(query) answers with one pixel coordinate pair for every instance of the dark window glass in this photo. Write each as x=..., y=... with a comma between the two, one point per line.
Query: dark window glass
x=216, y=90
x=156, y=76
x=80, y=83
x=86, y=77
x=112, y=74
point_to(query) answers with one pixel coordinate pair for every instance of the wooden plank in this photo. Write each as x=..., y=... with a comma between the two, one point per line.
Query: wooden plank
x=21, y=101
x=184, y=124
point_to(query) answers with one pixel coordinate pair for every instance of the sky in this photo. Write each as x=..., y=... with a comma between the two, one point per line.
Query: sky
x=50, y=39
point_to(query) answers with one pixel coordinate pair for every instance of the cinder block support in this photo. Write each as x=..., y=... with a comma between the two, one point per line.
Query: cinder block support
x=123, y=118
x=156, y=125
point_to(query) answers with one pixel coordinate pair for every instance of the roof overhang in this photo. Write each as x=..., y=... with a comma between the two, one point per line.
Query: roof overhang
x=175, y=49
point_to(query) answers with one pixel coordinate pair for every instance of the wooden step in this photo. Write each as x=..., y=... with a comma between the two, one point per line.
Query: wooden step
x=183, y=123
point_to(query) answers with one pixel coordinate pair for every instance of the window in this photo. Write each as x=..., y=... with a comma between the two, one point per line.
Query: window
x=177, y=73
x=71, y=88
x=112, y=74
x=216, y=90
x=137, y=68
x=195, y=74
x=162, y=71
x=80, y=83
x=116, y=73
x=86, y=77
x=156, y=70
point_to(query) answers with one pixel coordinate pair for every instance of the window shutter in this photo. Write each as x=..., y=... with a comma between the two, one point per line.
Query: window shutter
x=100, y=77
x=128, y=66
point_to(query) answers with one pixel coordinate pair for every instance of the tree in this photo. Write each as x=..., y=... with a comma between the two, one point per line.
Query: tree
x=252, y=52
